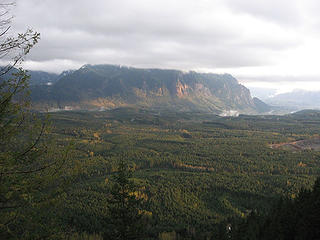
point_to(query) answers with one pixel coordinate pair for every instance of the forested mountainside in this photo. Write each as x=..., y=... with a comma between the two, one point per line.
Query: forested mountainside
x=109, y=86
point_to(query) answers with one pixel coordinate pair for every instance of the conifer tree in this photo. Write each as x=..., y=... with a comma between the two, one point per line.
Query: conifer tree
x=124, y=206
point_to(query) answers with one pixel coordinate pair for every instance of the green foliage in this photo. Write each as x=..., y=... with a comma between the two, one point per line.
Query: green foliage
x=226, y=168
x=124, y=206
x=297, y=218
x=83, y=236
x=31, y=182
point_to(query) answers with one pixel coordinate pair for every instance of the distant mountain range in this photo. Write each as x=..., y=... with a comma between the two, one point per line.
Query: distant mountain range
x=94, y=87
x=298, y=99
x=40, y=77
x=45, y=78
x=262, y=93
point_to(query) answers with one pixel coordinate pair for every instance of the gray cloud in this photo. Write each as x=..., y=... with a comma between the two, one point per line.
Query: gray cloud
x=280, y=12
x=278, y=78
x=183, y=34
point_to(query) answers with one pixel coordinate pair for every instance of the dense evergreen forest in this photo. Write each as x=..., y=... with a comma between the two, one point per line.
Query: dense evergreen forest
x=289, y=218
x=194, y=174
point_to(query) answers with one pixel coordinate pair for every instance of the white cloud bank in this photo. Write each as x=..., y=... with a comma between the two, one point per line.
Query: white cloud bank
x=261, y=41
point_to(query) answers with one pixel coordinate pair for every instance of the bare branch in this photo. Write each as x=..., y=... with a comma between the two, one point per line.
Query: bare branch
x=5, y=31
x=35, y=142
x=15, y=90
x=30, y=171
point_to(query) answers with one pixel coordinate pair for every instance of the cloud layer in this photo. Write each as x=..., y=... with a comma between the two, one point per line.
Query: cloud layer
x=243, y=37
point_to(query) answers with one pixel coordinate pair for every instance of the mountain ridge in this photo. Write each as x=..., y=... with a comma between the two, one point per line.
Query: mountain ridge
x=111, y=86
x=298, y=99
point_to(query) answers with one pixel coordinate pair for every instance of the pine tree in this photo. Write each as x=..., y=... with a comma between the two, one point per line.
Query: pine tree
x=124, y=206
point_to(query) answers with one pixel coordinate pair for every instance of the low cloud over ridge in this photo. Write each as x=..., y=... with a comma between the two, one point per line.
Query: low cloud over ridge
x=235, y=36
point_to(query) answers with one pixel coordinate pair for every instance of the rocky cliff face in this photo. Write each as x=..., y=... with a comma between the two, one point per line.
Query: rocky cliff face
x=108, y=86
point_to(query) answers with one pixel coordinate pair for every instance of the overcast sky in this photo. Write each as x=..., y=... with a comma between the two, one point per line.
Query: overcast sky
x=264, y=43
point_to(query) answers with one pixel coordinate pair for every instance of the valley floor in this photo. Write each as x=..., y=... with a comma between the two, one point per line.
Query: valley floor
x=193, y=170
